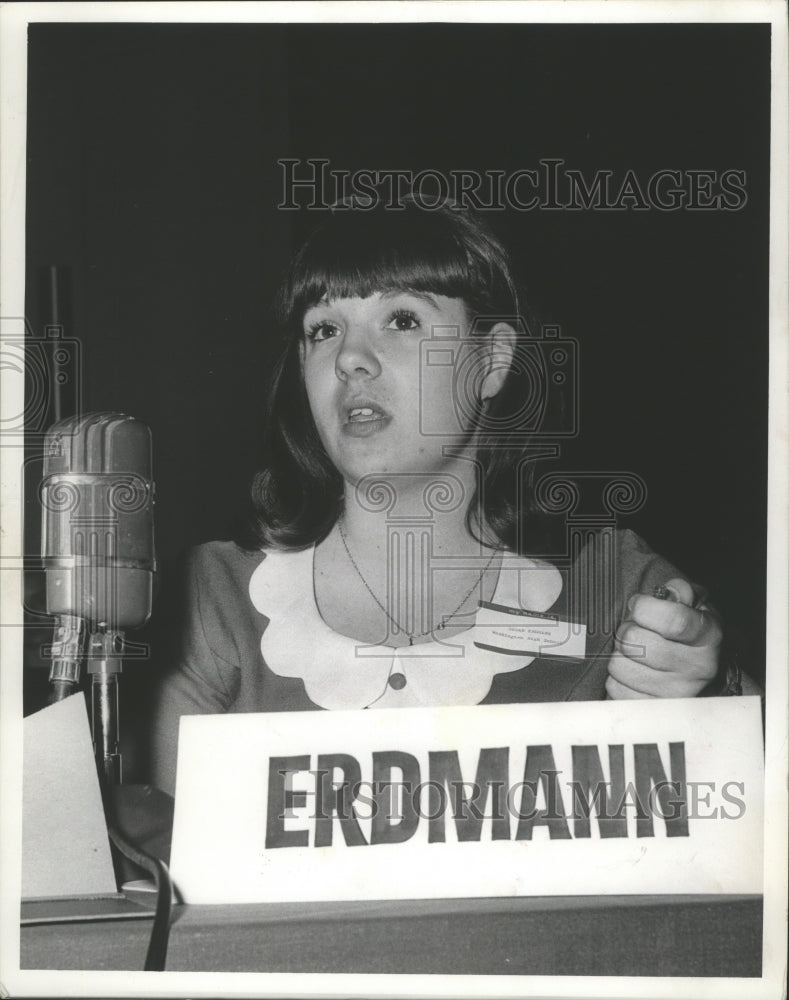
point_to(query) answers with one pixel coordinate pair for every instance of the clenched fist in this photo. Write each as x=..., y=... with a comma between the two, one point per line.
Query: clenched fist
x=665, y=648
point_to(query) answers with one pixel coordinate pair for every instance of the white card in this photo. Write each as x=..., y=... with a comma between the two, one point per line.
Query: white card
x=349, y=805
x=65, y=848
x=532, y=633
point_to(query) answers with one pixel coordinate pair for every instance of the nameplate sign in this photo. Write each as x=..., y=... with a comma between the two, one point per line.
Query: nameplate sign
x=513, y=800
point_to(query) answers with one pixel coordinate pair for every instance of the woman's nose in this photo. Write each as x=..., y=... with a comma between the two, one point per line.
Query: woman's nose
x=356, y=356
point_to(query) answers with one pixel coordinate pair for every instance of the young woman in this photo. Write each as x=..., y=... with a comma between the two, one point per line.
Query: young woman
x=396, y=510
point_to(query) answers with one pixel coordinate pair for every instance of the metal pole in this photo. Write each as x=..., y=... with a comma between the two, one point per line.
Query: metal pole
x=105, y=666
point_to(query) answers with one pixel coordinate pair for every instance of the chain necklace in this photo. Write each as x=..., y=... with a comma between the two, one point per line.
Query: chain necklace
x=397, y=625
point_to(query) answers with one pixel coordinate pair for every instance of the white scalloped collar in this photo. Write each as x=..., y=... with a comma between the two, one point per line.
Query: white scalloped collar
x=341, y=673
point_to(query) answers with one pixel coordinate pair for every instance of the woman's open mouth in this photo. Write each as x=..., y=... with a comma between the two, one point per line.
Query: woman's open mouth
x=364, y=420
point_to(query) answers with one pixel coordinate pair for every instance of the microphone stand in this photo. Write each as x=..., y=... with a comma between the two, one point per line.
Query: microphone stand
x=105, y=666
x=75, y=641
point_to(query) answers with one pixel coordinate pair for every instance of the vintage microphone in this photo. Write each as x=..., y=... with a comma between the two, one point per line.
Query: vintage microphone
x=97, y=497
x=97, y=548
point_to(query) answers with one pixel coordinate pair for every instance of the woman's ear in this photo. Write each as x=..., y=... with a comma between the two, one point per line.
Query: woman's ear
x=499, y=352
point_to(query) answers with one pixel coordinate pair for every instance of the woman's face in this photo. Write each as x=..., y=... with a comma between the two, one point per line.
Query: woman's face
x=379, y=377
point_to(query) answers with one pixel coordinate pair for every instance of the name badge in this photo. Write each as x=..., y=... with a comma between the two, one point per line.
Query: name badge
x=528, y=633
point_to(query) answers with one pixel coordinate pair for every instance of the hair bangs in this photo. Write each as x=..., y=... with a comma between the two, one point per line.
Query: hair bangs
x=356, y=254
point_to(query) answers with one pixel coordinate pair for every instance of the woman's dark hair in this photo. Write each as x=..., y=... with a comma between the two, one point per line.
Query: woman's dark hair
x=356, y=252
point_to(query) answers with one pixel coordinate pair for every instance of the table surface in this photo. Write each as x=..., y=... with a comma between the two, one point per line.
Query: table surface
x=568, y=935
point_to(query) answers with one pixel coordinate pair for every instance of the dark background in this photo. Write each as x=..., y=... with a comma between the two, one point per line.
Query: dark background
x=153, y=182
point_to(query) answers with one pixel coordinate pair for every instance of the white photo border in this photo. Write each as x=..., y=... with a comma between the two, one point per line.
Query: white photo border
x=14, y=19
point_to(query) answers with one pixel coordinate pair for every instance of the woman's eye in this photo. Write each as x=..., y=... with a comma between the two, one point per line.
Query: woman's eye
x=403, y=320
x=320, y=330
